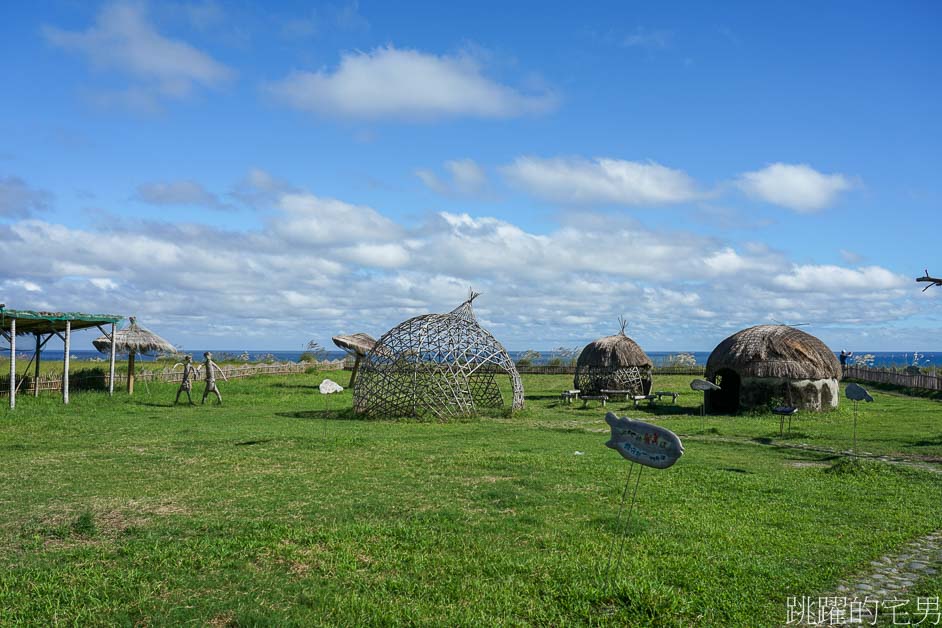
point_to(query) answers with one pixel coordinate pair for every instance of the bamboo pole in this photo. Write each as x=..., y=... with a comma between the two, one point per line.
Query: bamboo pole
x=12, y=363
x=65, y=371
x=130, y=372
x=39, y=348
x=114, y=330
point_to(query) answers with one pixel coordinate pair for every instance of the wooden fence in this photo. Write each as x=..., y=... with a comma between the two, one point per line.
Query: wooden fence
x=895, y=378
x=571, y=370
x=97, y=378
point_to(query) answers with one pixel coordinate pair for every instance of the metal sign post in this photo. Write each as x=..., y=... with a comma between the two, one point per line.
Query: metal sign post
x=703, y=386
x=642, y=445
x=856, y=393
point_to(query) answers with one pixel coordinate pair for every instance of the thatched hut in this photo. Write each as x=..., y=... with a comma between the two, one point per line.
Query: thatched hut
x=774, y=364
x=134, y=340
x=435, y=366
x=613, y=363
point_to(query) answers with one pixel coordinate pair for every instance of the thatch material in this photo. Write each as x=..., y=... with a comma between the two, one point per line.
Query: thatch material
x=134, y=339
x=618, y=351
x=613, y=363
x=358, y=344
x=779, y=351
x=438, y=365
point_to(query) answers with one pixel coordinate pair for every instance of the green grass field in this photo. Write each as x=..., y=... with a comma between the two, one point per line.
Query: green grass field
x=277, y=509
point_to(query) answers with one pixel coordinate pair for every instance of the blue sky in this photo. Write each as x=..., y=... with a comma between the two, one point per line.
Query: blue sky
x=256, y=175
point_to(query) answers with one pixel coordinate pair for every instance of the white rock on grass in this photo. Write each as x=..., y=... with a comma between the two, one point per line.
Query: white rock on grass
x=329, y=386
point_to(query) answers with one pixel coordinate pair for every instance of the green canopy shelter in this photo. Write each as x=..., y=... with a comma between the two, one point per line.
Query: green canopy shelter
x=43, y=326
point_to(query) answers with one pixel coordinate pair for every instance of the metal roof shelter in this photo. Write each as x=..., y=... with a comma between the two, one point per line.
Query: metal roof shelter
x=45, y=325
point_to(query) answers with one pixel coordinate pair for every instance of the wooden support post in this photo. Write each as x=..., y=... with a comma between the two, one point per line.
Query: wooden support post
x=114, y=331
x=353, y=375
x=65, y=362
x=12, y=363
x=130, y=373
x=39, y=348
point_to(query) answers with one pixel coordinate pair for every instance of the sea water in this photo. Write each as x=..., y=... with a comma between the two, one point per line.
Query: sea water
x=660, y=358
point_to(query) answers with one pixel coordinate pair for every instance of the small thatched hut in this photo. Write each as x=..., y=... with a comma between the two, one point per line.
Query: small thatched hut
x=772, y=364
x=613, y=363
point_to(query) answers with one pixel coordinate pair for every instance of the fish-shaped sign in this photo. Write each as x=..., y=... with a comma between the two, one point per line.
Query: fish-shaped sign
x=644, y=443
x=702, y=384
x=855, y=392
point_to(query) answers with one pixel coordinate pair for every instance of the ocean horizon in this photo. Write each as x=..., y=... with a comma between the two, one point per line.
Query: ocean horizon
x=660, y=358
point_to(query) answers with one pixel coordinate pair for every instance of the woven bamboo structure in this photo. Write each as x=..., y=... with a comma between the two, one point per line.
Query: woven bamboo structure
x=772, y=364
x=133, y=340
x=613, y=363
x=435, y=366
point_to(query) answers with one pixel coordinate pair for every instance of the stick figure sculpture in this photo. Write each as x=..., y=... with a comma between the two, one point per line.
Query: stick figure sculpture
x=189, y=371
x=209, y=365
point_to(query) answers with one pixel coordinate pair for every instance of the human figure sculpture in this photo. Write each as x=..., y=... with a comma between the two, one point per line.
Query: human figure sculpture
x=209, y=365
x=189, y=371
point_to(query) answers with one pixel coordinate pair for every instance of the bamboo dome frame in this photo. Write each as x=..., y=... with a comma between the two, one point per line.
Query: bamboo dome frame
x=435, y=366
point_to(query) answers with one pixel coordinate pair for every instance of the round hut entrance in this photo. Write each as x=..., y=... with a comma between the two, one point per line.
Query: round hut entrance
x=725, y=400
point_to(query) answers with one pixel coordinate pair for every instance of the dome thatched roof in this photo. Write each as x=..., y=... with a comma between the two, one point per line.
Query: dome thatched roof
x=618, y=351
x=136, y=339
x=774, y=351
x=357, y=344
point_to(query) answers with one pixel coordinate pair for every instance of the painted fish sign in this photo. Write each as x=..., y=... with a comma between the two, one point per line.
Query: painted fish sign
x=644, y=443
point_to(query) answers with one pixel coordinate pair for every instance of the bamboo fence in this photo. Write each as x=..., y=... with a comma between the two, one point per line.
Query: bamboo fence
x=97, y=379
x=895, y=378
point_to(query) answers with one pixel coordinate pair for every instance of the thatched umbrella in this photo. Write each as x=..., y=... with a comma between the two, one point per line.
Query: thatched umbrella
x=613, y=362
x=357, y=345
x=133, y=339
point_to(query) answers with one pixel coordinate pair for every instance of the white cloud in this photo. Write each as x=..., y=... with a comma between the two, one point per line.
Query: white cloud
x=579, y=181
x=399, y=83
x=178, y=193
x=467, y=178
x=123, y=39
x=837, y=279
x=643, y=38
x=795, y=186
x=308, y=219
x=19, y=200
x=327, y=266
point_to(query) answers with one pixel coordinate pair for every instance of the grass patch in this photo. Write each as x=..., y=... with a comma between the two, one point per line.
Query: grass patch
x=277, y=509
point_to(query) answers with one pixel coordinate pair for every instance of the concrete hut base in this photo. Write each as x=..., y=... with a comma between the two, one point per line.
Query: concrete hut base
x=818, y=395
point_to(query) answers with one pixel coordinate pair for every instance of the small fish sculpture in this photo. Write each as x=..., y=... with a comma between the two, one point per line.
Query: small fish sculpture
x=644, y=443
x=702, y=384
x=856, y=392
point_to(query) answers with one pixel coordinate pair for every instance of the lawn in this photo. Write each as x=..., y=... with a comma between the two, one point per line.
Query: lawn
x=276, y=508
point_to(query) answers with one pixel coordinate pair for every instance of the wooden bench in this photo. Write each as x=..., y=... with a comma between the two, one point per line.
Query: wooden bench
x=667, y=393
x=782, y=412
x=649, y=398
x=587, y=398
x=567, y=395
x=616, y=393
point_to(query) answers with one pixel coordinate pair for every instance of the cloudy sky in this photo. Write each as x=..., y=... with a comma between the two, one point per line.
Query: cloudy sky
x=259, y=174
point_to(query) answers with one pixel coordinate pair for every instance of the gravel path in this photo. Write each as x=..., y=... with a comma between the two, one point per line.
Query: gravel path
x=885, y=585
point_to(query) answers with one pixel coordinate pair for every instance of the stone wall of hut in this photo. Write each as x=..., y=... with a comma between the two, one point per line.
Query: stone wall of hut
x=805, y=394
